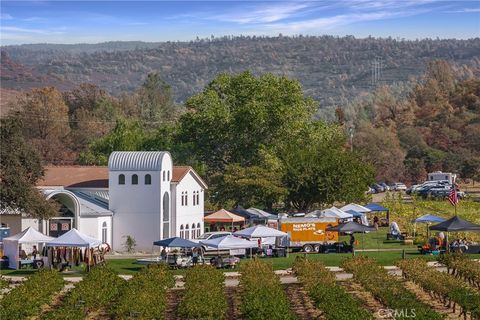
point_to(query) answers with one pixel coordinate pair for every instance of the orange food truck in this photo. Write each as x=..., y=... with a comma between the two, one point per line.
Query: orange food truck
x=308, y=234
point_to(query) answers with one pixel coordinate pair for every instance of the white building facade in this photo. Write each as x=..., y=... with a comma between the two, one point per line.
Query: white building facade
x=140, y=194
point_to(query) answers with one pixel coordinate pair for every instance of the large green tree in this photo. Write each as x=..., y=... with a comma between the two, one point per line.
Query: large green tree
x=238, y=115
x=320, y=170
x=257, y=185
x=155, y=101
x=20, y=169
x=125, y=136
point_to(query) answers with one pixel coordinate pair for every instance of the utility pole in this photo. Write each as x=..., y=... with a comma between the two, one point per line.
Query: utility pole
x=350, y=130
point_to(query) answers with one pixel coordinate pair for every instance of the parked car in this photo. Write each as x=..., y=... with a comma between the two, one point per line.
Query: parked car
x=398, y=186
x=385, y=186
x=210, y=236
x=434, y=191
x=378, y=188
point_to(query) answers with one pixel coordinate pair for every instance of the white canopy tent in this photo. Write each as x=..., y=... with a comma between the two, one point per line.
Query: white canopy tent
x=260, y=232
x=358, y=208
x=355, y=207
x=27, y=236
x=334, y=212
x=74, y=238
x=229, y=242
x=266, y=234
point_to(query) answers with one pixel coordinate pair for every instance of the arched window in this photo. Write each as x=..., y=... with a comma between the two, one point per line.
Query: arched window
x=193, y=231
x=148, y=179
x=104, y=232
x=187, y=232
x=198, y=230
x=134, y=179
x=182, y=233
x=198, y=198
x=186, y=198
x=121, y=179
x=166, y=215
x=168, y=175
x=163, y=173
x=183, y=198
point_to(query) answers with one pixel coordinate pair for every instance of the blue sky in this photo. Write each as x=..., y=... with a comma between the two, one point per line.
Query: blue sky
x=98, y=21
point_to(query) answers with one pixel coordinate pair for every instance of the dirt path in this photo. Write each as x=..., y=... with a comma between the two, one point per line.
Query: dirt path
x=233, y=301
x=436, y=305
x=365, y=297
x=300, y=302
x=173, y=299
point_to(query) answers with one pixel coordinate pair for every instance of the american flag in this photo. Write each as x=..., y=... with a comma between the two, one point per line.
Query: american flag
x=452, y=196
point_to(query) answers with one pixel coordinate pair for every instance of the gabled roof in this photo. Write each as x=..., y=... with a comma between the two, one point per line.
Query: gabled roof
x=180, y=172
x=97, y=176
x=75, y=177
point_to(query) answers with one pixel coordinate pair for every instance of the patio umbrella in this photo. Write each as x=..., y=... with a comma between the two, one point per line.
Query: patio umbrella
x=350, y=227
x=176, y=242
x=260, y=232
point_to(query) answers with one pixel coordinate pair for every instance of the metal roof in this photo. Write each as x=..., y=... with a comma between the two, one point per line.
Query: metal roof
x=136, y=160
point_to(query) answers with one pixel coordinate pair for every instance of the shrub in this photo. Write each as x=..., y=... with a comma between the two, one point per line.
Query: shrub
x=262, y=293
x=321, y=286
x=145, y=295
x=387, y=288
x=460, y=265
x=3, y=283
x=448, y=288
x=27, y=299
x=204, y=296
x=99, y=288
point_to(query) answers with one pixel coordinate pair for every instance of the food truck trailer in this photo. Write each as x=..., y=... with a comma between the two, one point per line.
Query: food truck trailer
x=308, y=234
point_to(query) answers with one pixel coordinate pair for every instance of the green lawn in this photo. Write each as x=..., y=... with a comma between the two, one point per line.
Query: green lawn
x=385, y=258
x=377, y=240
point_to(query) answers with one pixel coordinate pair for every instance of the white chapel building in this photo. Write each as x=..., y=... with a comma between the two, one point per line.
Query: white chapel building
x=140, y=194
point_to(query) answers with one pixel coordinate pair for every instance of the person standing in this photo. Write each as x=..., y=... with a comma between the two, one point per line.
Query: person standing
x=375, y=222
x=34, y=252
x=163, y=254
x=195, y=256
x=352, y=243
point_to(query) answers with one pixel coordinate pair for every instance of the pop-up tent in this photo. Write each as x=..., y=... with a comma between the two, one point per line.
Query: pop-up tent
x=456, y=224
x=28, y=236
x=375, y=207
x=229, y=242
x=176, y=242
x=355, y=207
x=260, y=232
x=74, y=238
x=427, y=218
x=332, y=212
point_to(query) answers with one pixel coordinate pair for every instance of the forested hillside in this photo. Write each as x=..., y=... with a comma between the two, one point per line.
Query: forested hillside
x=332, y=70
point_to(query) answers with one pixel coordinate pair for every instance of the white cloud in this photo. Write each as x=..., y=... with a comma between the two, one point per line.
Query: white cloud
x=5, y=16
x=466, y=10
x=265, y=13
x=13, y=29
x=328, y=23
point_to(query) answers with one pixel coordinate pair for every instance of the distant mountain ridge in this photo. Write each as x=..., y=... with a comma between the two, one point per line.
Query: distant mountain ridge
x=333, y=70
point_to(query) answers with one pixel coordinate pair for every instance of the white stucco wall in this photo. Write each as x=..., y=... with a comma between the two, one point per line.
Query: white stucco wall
x=89, y=226
x=191, y=213
x=137, y=209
